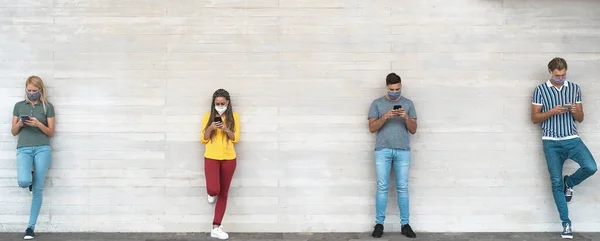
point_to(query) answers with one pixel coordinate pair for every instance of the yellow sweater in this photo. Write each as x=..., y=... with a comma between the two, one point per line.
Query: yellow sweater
x=219, y=147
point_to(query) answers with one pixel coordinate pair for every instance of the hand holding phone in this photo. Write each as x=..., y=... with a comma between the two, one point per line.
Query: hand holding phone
x=568, y=106
x=559, y=109
x=20, y=123
x=30, y=121
x=217, y=122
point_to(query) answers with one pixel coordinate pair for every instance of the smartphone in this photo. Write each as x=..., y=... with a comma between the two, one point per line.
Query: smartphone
x=396, y=107
x=24, y=118
x=217, y=119
x=568, y=106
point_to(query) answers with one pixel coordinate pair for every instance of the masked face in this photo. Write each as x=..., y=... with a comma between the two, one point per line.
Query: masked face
x=220, y=109
x=394, y=91
x=33, y=93
x=558, y=76
x=559, y=79
x=394, y=95
x=221, y=105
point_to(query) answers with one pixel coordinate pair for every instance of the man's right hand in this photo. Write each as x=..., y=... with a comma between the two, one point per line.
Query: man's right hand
x=390, y=114
x=557, y=110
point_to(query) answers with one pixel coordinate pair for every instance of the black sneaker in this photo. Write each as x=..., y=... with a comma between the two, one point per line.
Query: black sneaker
x=29, y=234
x=568, y=190
x=378, y=231
x=407, y=231
x=567, y=232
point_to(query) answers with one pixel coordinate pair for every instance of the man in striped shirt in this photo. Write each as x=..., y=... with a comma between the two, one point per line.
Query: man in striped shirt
x=557, y=104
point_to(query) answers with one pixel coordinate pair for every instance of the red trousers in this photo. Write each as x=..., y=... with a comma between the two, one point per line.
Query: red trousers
x=218, y=176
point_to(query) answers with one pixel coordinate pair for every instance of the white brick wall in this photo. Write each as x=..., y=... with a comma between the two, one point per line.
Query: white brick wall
x=131, y=79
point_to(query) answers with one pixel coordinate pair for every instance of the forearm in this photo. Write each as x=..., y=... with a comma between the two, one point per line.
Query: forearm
x=207, y=134
x=376, y=125
x=46, y=130
x=15, y=130
x=578, y=116
x=230, y=135
x=539, y=117
x=411, y=125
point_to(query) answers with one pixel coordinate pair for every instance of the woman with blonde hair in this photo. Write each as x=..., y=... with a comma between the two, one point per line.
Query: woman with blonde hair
x=33, y=122
x=220, y=131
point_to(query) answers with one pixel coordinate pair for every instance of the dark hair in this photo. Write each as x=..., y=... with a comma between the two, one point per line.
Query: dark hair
x=557, y=64
x=228, y=120
x=392, y=78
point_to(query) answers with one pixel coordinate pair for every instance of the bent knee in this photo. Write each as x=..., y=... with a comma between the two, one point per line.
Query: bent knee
x=591, y=169
x=24, y=183
x=213, y=191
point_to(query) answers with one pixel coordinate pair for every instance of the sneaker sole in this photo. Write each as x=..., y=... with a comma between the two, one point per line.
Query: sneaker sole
x=28, y=238
x=566, y=237
x=211, y=235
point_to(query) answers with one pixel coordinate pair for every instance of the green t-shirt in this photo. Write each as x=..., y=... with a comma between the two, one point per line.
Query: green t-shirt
x=33, y=136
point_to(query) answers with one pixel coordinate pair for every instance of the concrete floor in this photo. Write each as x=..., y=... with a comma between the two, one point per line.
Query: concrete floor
x=297, y=236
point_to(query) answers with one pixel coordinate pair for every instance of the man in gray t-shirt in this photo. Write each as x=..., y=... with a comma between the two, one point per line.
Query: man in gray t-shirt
x=393, y=117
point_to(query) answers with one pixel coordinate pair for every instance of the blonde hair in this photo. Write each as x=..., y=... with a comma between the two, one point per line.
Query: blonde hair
x=38, y=83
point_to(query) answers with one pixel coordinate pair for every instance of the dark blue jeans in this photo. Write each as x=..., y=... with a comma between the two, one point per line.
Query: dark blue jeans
x=557, y=152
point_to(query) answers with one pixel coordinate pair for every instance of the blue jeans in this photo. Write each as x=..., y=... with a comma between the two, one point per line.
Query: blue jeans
x=384, y=160
x=37, y=157
x=557, y=152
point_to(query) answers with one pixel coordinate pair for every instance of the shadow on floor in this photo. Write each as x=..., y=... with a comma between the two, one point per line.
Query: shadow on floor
x=298, y=237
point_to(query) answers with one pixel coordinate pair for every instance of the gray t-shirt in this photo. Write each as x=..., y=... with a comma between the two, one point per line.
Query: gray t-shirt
x=33, y=136
x=393, y=134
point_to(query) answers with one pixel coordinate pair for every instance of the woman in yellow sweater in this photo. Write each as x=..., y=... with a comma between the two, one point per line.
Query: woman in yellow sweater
x=221, y=130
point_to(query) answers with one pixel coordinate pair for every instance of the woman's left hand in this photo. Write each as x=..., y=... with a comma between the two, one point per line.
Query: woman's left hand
x=33, y=122
x=224, y=128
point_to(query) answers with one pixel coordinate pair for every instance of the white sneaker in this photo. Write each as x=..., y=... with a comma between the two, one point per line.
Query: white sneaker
x=219, y=233
x=212, y=199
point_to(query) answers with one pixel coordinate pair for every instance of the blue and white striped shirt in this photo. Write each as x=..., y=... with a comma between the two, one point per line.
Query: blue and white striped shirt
x=557, y=127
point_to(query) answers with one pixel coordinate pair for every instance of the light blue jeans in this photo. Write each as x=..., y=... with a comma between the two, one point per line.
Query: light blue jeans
x=557, y=152
x=384, y=160
x=38, y=158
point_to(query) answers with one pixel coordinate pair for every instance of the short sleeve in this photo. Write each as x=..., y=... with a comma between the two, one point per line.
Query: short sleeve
x=578, y=98
x=203, y=127
x=50, y=110
x=373, y=111
x=537, y=97
x=236, y=132
x=412, y=112
x=16, y=110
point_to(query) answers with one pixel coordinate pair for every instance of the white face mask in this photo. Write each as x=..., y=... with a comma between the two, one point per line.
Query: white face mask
x=221, y=109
